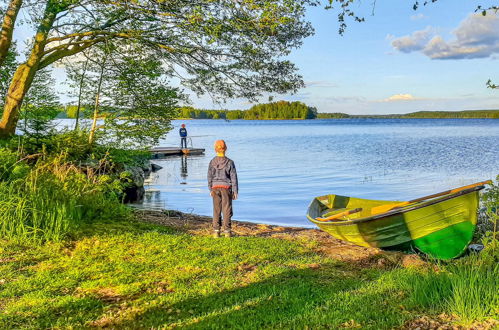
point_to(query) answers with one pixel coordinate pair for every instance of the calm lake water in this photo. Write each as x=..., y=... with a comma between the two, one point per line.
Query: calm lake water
x=282, y=165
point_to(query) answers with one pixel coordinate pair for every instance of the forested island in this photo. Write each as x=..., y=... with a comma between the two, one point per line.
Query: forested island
x=298, y=110
x=273, y=110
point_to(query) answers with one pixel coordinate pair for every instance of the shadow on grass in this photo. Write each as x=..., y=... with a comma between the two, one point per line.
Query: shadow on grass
x=327, y=296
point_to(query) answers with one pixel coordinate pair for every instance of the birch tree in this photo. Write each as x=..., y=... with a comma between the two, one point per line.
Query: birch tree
x=226, y=48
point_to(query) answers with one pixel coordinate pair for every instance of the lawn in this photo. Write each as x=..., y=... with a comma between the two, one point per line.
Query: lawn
x=136, y=275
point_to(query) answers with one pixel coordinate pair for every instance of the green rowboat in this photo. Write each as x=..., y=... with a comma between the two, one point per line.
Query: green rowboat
x=439, y=225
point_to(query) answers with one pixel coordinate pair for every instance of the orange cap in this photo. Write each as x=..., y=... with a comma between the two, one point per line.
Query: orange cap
x=220, y=146
x=183, y=125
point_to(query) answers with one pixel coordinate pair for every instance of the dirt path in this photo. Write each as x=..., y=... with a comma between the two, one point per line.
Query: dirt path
x=324, y=243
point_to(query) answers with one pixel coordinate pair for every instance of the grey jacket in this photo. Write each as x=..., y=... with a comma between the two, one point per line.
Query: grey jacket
x=222, y=172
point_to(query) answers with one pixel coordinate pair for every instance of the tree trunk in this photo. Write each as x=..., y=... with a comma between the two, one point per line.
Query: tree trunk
x=9, y=20
x=23, y=77
x=91, y=136
x=80, y=92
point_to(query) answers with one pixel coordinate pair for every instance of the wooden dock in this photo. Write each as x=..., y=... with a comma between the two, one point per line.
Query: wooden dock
x=175, y=151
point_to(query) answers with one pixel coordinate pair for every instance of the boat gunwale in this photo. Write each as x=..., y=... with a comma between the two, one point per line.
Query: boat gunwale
x=416, y=206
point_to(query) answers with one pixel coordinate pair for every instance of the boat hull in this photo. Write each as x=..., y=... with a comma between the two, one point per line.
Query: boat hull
x=442, y=228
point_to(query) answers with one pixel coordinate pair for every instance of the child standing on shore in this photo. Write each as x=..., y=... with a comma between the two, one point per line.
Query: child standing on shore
x=222, y=182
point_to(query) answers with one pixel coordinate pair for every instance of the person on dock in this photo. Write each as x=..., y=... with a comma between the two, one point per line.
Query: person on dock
x=222, y=182
x=183, y=136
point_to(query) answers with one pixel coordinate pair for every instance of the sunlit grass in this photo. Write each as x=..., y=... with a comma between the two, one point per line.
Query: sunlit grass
x=143, y=276
x=138, y=275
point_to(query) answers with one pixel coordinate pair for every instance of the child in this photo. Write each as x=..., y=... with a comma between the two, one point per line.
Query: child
x=222, y=182
x=183, y=136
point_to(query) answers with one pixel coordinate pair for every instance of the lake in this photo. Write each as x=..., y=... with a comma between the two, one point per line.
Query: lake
x=283, y=165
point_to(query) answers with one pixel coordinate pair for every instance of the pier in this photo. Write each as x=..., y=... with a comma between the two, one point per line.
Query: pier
x=175, y=151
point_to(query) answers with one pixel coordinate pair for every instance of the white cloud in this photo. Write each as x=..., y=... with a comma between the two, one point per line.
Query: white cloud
x=399, y=97
x=414, y=42
x=476, y=37
x=321, y=83
x=418, y=17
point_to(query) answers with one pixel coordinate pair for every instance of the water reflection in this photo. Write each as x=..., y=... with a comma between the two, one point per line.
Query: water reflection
x=183, y=169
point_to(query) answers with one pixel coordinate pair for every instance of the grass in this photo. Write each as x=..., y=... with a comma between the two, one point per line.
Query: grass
x=147, y=276
x=466, y=288
x=131, y=274
x=45, y=201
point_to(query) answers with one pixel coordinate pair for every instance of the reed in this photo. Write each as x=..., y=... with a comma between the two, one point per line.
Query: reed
x=54, y=198
x=466, y=288
x=475, y=284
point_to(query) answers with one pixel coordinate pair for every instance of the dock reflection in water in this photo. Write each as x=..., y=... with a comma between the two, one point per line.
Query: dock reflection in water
x=181, y=179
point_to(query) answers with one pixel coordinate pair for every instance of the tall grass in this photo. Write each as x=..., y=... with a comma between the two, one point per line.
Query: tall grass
x=466, y=288
x=53, y=198
x=475, y=289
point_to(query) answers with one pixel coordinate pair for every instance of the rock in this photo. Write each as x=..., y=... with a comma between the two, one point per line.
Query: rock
x=135, y=191
x=155, y=167
x=475, y=247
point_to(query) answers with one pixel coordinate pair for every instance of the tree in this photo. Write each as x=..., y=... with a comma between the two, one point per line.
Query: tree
x=8, y=23
x=129, y=92
x=6, y=72
x=40, y=106
x=77, y=73
x=141, y=103
x=227, y=48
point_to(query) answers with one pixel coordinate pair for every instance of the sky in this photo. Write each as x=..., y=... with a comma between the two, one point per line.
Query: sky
x=397, y=61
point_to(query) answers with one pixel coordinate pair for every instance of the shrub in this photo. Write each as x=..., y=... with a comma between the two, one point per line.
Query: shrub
x=54, y=197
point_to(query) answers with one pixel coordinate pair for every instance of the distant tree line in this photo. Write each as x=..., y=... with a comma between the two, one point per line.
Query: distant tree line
x=332, y=115
x=274, y=110
x=487, y=114
x=288, y=110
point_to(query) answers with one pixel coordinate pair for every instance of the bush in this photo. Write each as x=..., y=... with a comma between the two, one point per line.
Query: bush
x=53, y=197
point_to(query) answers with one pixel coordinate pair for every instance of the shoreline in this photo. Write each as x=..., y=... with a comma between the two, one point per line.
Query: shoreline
x=320, y=241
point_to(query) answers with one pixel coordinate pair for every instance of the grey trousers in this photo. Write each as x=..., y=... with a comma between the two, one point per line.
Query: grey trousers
x=222, y=204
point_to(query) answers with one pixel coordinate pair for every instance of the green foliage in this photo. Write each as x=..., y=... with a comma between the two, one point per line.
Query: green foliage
x=47, y=192
x=8, y=160
x=129, y=92
x=53, y=197
x=487, y=114
x=7, y=70
x=490, y=201
x=40, y=107
x=70, y=111
x=466, y=287
x=275, y=110
x=143, y=104
x=332, y=115
x=297, y=110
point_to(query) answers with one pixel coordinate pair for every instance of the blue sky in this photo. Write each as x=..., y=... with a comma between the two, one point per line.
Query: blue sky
x=400, y=60
x=362, y=72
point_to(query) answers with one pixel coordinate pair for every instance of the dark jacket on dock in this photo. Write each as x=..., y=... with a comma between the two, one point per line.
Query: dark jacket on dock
x=222, y=172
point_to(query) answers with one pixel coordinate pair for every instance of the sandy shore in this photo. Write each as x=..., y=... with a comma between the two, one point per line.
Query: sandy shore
x=318, y=240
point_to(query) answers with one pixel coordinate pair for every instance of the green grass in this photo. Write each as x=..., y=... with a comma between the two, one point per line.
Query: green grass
x=140, y=275
x=146, y=276
x=467, y=287
x=45, y=201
